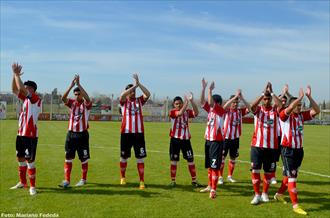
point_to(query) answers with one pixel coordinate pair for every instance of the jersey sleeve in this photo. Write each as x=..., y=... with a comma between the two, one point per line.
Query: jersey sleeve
x=191, y=113
x=283, y=115
x=206, y=107
x=257, y=110
x=141, y=98
x=244, y=111
x=34, y=98
x=173, y=113
x=69, y=103
x=21, y=96
x=88, y=105
x=307, y=115
x=219, y=109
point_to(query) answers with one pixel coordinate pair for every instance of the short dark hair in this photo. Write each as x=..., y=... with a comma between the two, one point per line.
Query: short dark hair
x=76, y=90
x=292, y=99
x=267, y=94
x=31, y=84
x=129, y=86
x=217, y=99
x=177, y=98
x=232, y=96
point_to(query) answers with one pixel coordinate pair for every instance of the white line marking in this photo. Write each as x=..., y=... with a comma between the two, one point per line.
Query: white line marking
x=196, y=155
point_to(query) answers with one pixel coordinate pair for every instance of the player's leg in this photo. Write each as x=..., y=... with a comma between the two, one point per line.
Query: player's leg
x=22, y=166
x=84, y=156
x=125, y=153
x=70, y=152
x=208, y=167
x=256, y=163
x=224, y=155
x=277, y=159
x=233, y=153
x=286, y=159
x=174, y=158
x=140, y=154
x=269, y=166
x=32, y=171
x=216, y=150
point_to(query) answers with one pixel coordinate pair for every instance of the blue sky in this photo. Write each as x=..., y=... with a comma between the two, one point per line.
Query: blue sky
x=238, y=44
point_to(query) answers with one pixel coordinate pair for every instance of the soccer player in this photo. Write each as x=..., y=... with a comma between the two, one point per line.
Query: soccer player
x=132, y=129
x=292, y=122
x=27, y=135
x=214, y=137
x=264, y=143
x=180, y=136
x=77, y=138
x=232, y=132
x=284, y=96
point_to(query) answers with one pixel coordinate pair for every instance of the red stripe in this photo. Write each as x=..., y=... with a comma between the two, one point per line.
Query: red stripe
x=231, y=124
x=140, y=114
x=300, y=136
x=183, y=122
x=129, y=108
x=268, y=130
x=295, y=131
x=275, y=129
x=261, y=143
x=227, y=124
x=84, y=117
x=237, y=124
x=123, y=113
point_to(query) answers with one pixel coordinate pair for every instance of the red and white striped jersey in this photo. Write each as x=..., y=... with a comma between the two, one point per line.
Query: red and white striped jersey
x=79, y=114
x=132, y=121
x=265, y=128
x=233, y=123
x=28, y=118
x=215, y=118
x=180, y=124
x=293, y=128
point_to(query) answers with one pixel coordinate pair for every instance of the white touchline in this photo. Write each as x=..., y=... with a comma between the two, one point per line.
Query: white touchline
x=196, y=155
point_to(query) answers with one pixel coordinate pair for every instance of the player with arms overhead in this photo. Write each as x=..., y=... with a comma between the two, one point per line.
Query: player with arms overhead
x=27, y=135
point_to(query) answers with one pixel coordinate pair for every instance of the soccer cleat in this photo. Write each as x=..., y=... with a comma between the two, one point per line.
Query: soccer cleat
x=213, y=194
x=65, y=184
x=279, y=197
x=172, y=184
x=33, y=191
x=18, y=185
x=123, y=181
x=256, y=200
x=207, y=189
x=230, y=179
x=299, y=210
x=273, y=181
x=196, y=184
x=142, y=186
x=81, y=183
x=220, y=182
x=264, y=197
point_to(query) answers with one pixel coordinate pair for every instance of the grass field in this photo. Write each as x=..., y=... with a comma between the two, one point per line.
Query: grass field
x=104, y=197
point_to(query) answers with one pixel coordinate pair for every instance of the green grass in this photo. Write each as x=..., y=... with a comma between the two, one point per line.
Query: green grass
x=104, y=197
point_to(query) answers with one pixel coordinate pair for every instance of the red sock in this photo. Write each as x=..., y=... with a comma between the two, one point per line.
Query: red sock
x=221, y=168
x=231, y=167
x=140, y=167
x=284, y=185
x=32, y=176
x=293, y=192
x=123, y=166
x=22, y=174
x=256, y=182
x=84, y=169
x=215, y=177
x=173, y=172
x=209, y=175
x=192, y=170
x=266, y=182
x=67, y=170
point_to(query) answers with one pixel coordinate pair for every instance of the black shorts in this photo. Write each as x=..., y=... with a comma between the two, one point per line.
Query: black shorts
x=231, y=145
x=278, y=154
x=213, y=154
x=26, y=147
x=129, y=140
x=185, y=146
x=263, y=157
x=292, y=159
x=77, y=141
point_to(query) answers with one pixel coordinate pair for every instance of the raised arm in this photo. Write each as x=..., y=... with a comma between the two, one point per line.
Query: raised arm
x=258, y=100
x=209, y=97
x=13, y=86
x=82, y=90
x=66, y=93
x=126, y=92
x=277, y=101
x=228, y=103
x=315, y=108
x=193, y=104
x=184, y=107
x=17, y=76
x=204, y=85
x=247, y=105
x=294, y=104
x=146, y=93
